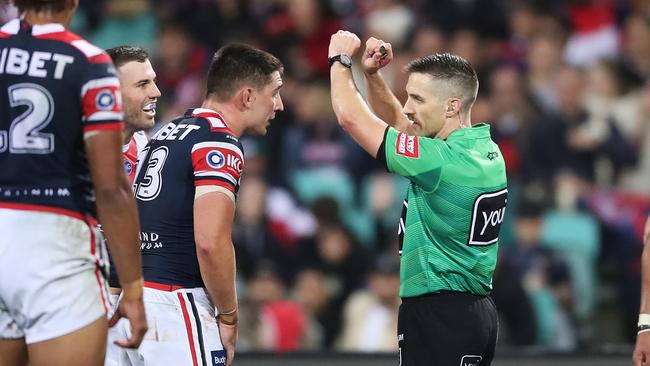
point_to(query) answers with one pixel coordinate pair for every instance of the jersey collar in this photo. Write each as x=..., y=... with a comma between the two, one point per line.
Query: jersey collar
x=13, y=27
x=205, y=113
x=477, y=131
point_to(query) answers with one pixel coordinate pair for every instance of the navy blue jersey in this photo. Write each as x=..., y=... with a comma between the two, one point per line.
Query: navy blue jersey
x=197, y=149
x=54, y=88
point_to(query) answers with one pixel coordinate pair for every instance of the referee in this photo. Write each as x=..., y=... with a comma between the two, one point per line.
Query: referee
x=454, y=205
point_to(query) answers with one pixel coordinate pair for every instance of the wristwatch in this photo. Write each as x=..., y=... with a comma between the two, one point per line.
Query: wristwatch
x=344, y=59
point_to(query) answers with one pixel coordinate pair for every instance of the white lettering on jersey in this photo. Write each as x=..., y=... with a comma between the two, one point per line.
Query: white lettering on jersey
x=16, y=61
x=171, y=131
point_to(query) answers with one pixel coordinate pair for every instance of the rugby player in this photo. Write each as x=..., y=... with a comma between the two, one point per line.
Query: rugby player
x=186, y=191
x=140, y=94
x=60, y=137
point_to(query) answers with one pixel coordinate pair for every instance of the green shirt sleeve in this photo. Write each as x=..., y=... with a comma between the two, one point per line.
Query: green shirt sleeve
x=420, y=159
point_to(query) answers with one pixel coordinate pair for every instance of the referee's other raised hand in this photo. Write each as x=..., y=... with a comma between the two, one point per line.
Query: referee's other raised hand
x=377, y=55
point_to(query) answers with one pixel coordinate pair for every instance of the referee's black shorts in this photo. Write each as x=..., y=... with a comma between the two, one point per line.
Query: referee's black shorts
x=447, y=329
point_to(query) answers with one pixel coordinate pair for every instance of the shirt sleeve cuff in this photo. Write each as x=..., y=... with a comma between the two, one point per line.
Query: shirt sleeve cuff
x=381, y=153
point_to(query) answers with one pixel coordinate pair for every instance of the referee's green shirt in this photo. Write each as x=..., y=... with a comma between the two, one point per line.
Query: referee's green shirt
x=453, y=209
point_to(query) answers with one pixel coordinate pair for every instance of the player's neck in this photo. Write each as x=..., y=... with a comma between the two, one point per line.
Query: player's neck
x=127, y=134
x=228, y=112
x=46, y=17
x=452, y=124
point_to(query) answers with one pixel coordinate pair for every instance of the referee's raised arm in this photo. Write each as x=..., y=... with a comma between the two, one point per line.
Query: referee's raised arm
x=351, y=111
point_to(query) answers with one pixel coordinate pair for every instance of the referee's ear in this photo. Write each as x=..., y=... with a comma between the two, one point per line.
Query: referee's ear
x=453, y=107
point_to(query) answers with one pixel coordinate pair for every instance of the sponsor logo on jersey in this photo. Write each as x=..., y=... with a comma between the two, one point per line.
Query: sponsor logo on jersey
x=105, y=100
x=215, y=159
x=218, y=357
x=235, y=162
x=487, y=216
x=128, y=167
x=470, y=360
x=407, y=146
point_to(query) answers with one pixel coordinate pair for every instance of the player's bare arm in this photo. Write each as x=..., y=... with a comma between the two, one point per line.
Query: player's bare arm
x=353, y=114
x=381, y=99
x=118, y=214
x=213, y=216
x=641, y=354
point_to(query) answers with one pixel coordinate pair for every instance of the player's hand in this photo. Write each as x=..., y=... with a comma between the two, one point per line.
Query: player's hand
x=228, y=335
x=641, y=355
x=133, y=310
x=377, y=55
x=343, y=42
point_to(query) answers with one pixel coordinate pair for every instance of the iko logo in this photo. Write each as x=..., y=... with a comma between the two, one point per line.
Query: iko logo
x=487, y=216
x=235, y=163
x=215, y=159
x=407, y=146
x=470, y=360
x=218, y=357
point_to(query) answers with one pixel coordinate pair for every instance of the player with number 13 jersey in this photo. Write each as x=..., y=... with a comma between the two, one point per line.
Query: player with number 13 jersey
x=209, y=152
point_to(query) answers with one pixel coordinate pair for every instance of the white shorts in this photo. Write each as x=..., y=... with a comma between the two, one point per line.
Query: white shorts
x=50, y=278
x=182, y=331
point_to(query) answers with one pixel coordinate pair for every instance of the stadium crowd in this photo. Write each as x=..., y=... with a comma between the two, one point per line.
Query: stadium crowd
x=565, y=86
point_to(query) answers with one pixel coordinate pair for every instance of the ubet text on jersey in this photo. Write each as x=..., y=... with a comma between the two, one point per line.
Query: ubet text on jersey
x=16, y=61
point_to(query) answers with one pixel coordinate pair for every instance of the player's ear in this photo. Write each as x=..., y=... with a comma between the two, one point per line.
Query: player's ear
x=246, y=97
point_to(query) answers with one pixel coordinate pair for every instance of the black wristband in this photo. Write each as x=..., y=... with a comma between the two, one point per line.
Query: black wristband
x=643, y=327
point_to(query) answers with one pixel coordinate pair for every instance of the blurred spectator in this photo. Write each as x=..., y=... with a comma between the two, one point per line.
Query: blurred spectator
x=213, y=22
x=389, y=20
x=267, y=320
x=636, y=46
x=543, y=275
x=522, y=24
x=517, y=318
x=299, y=33
x=126, y=22
x=512, y=113
x=370, y=315
x=593, y=32
x=180, y=62
x=256, y=238
x=594, y=150
x=344, y=263
x=311, y=293
x=636, y=180
x=544, y=60
x=611, y=93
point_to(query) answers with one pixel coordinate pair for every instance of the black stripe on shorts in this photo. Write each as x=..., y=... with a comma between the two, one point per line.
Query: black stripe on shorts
x=199, y=330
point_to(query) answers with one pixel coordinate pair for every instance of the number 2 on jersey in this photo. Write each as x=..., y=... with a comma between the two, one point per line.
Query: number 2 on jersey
x=24, y=135
x=152, y=180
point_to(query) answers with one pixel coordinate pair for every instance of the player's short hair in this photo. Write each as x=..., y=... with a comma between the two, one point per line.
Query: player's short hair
x=124, y=54
x=454, y=70
x=238, y=64
x=38, y=5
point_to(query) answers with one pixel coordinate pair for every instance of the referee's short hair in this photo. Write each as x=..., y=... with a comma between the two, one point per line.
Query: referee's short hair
x=238, y=64
x=124, y=54
x=455, y=71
